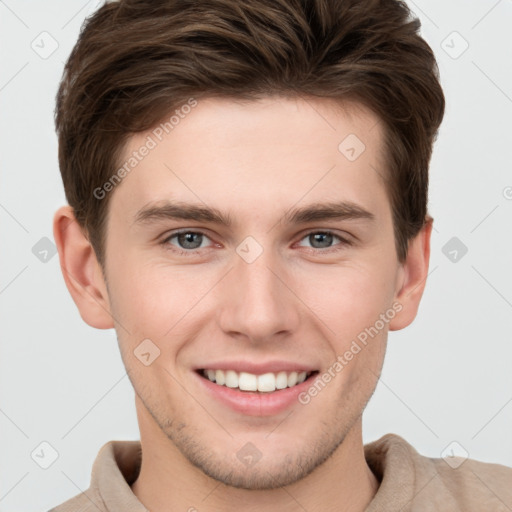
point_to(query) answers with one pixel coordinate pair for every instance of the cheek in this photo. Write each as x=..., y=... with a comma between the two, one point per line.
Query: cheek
x=139, y=299
x=151, y=299
x=348, y=298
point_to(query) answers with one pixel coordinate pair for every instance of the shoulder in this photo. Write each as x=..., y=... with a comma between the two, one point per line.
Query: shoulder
x=441, y=484
x=476, y=485
x=115, y=468
x=80, y=503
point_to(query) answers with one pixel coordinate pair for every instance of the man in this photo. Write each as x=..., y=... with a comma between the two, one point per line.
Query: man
x=247, y=187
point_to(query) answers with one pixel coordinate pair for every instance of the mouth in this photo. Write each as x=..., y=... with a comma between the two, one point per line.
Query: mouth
x=270, y=382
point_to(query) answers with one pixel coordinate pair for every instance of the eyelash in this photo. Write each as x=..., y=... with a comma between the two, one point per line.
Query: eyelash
x=193, y=252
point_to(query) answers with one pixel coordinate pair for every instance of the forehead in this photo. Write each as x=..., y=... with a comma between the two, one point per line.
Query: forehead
x=256, y=155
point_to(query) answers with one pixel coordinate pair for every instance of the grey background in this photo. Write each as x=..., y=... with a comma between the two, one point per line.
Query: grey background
x=446, y=377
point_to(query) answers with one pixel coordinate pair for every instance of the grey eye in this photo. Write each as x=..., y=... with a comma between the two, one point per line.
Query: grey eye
x=189, y=240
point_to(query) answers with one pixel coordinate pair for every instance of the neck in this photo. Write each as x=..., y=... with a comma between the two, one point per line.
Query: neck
x=168, y=481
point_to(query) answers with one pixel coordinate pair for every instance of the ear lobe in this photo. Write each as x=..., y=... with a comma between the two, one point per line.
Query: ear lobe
x=81, y=270
x=414, y=272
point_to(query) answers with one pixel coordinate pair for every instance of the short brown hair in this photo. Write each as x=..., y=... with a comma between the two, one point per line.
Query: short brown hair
x=137, y=59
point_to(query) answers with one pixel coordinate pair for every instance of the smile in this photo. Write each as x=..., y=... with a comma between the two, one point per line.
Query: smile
x=264, y=383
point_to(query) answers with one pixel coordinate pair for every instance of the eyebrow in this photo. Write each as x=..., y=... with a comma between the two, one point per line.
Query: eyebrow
x=341, y=210
x=177, y=210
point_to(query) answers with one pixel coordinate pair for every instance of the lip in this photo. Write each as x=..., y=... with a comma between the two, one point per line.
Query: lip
x=254, y=403
x=239, y=365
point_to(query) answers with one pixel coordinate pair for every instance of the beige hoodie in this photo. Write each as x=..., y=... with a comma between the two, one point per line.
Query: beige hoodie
x=409, y=482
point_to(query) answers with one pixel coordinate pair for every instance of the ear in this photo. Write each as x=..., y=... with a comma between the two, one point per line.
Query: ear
x=81, y=270
x=412, y=277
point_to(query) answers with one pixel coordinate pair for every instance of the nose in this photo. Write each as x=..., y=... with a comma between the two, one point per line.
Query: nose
x=258, y=301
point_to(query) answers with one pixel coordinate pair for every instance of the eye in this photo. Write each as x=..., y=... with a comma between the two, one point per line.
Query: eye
x=187, y=241
x=324, y=239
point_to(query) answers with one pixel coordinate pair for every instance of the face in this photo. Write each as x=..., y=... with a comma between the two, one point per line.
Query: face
x=287, y=261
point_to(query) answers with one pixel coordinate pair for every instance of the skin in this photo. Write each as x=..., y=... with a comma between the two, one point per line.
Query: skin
x=300, y=300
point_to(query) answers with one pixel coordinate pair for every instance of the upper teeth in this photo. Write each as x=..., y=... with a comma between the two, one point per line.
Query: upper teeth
x=249, y=382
